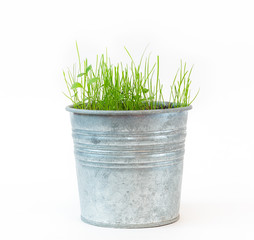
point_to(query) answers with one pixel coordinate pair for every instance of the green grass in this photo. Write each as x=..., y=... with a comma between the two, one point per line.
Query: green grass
x=119, y=87
x=180, y=89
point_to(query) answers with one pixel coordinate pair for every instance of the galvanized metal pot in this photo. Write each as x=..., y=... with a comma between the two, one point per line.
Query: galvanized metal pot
x=129, y=165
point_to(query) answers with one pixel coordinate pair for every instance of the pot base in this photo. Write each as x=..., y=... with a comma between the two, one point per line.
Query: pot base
x=149, y=225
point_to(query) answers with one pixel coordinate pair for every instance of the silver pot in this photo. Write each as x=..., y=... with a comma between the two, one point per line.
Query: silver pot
x=129, y=165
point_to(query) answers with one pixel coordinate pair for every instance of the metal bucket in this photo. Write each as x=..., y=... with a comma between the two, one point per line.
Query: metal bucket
x=129, y=165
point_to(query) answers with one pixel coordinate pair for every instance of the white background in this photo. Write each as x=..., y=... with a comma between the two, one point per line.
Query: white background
x=38, y=190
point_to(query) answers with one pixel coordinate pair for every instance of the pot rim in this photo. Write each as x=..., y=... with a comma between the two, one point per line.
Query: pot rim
x=70, y=108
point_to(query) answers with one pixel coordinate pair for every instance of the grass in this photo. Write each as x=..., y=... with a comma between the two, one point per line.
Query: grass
x=180, y=89
x=119, y=87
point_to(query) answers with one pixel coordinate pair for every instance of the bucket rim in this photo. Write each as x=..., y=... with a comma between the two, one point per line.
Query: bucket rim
x=70, y=108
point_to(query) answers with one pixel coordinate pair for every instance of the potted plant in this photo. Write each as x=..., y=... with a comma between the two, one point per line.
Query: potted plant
x=128, y=142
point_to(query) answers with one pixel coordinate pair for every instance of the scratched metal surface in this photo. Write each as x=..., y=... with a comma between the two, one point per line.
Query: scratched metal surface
x=129, y=165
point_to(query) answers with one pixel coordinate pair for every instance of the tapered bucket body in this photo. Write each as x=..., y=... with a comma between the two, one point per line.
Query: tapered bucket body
x=129, y=165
